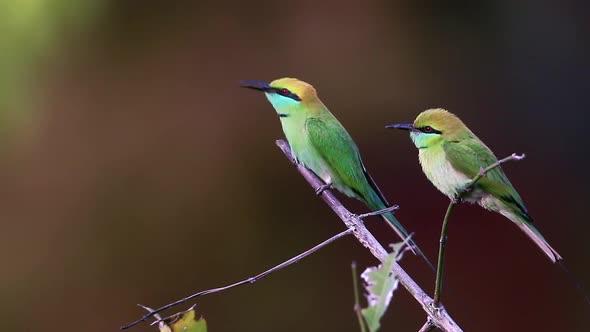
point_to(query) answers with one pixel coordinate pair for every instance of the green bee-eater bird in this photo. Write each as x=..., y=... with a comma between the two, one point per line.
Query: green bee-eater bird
x=320, y=143
x=451, y=156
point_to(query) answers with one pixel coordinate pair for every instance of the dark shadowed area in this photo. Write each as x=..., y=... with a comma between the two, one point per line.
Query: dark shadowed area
x=135, y=170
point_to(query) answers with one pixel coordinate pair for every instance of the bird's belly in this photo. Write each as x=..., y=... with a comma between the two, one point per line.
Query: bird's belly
x=442, y=174
x=304, y=153
x=318, y=166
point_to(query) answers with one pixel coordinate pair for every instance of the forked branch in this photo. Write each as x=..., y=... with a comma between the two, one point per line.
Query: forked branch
x=438, y=316
x=443, y=234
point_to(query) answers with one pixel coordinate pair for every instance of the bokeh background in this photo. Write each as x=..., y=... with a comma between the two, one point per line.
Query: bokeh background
x=134, y=170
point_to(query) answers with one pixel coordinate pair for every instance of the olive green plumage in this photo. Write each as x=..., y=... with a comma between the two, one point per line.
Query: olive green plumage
x=451, y=155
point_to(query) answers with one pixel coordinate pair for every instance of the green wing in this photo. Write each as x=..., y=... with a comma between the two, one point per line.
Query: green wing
x=338, y=149
x=468, y=156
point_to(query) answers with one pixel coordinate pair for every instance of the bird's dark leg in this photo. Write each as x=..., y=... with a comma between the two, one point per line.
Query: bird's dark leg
x=323, y=188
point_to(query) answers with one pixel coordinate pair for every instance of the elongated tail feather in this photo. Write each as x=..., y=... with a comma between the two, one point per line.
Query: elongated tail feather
x=554, y=256
x=376, y=201
x=523, y=220
x=403, y=234
x=536, y=236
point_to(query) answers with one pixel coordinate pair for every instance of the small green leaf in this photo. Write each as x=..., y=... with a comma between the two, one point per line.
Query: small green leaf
x=380, y=283
x=183, y=322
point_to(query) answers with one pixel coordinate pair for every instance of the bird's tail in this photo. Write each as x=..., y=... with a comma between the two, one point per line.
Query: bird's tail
x=553, y=255
x=377, y=202
x=403, y=234
x=539, y=240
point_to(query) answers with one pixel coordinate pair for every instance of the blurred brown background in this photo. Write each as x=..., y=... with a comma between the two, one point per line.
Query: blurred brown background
x=134, y=170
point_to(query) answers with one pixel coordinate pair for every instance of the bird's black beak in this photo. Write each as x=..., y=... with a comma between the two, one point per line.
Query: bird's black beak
x=256, y=85
x=402, y=126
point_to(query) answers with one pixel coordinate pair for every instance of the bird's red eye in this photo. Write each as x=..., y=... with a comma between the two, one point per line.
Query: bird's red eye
x=284, y=92
x=428, y=129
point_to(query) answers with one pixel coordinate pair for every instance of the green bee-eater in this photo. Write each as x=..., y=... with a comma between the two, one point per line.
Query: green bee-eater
x=320, y=143
x=451, y=155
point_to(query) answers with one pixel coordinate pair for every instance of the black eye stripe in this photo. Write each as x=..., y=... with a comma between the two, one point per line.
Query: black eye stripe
x=428, y=130
x=286, y=93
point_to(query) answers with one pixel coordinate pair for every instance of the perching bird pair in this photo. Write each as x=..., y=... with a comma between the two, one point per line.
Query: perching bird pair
x=450, y=155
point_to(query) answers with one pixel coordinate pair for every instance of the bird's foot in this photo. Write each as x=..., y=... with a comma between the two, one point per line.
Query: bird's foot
x=323, y=188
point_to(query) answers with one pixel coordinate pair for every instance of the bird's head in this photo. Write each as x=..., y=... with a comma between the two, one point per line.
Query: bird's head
x=432, y=127
x=285, y=94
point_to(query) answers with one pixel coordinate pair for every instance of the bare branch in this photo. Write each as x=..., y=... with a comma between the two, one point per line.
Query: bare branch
x=439, y=316
x=428, y=326
x=484, y=171
x=251, y=280
x=378, y=212
x=441, y=253
x=170, y=319
x=150, y=310
x=443, y=234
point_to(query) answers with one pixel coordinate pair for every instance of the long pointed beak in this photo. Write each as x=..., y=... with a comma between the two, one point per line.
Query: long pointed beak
x=256, y=85
x=402, y=126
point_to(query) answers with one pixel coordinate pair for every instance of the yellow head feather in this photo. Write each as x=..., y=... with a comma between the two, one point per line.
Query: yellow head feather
x=303, y=90
x=444, y=121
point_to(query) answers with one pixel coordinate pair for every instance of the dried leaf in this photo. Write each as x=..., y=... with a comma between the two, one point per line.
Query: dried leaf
x=380, y=283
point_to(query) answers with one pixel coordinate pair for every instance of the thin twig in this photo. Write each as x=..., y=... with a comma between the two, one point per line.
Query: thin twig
x=239, y=283
x=439, y=316
x=378, y=212
x=441, y=253
x=172, y=318
x=428, y=326
x=484, y=171
x=357, y=305
x=443, y=234
x=150, y=310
